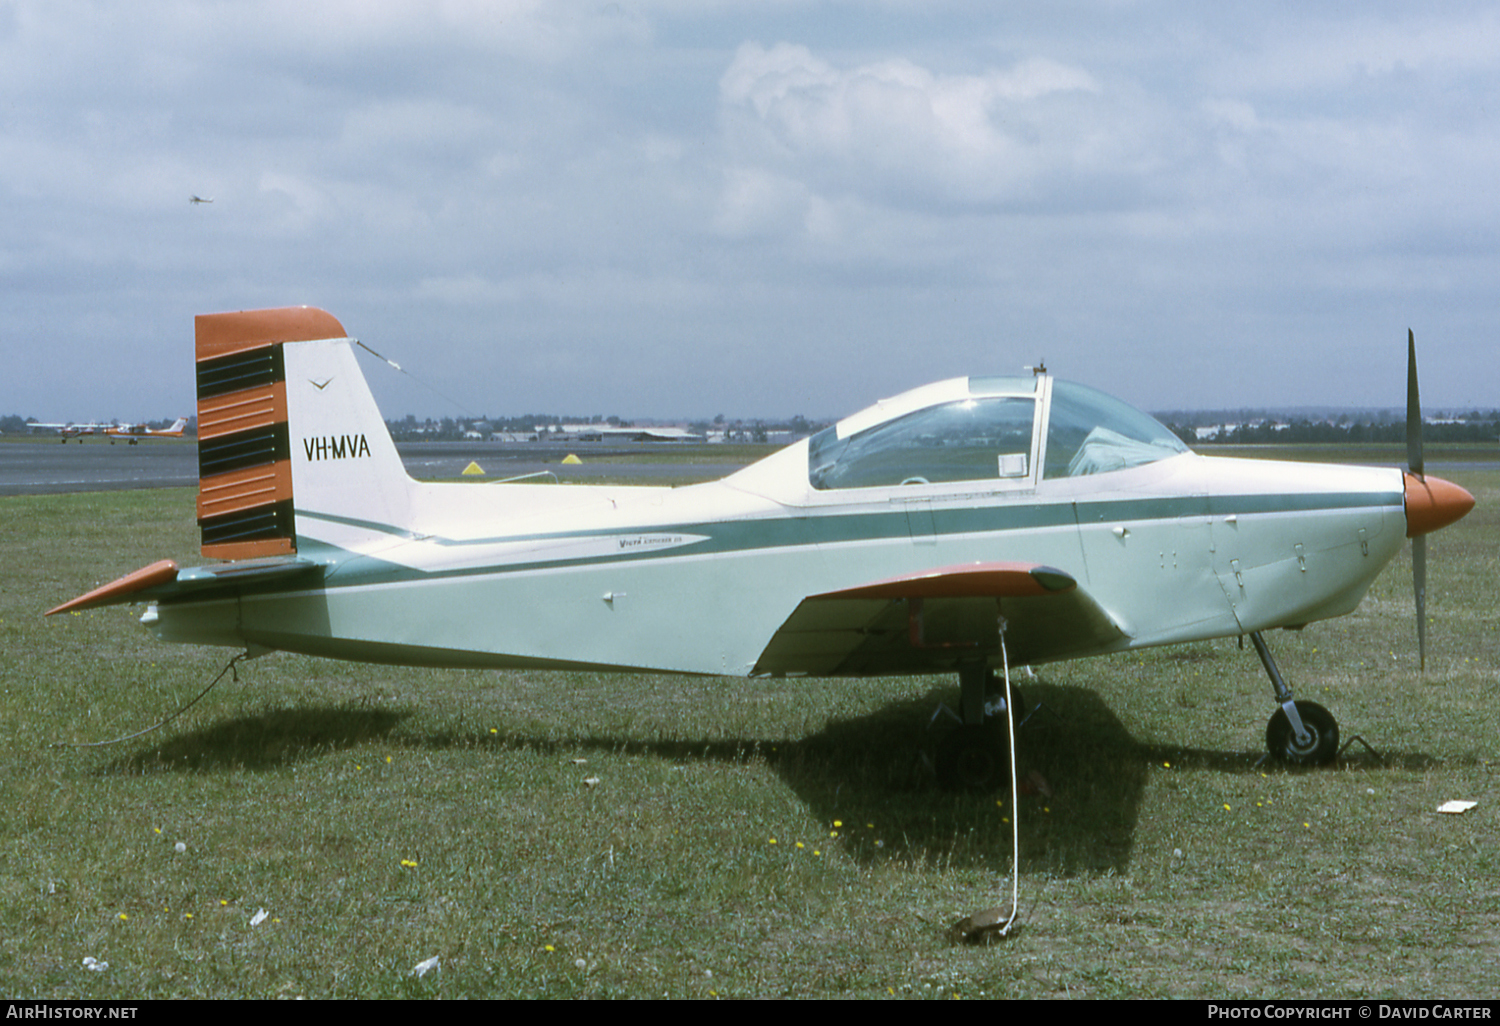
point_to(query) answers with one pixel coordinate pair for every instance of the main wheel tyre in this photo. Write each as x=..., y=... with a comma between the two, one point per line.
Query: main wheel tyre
x=972, y=758
x=1321, y=747
x=994, y=706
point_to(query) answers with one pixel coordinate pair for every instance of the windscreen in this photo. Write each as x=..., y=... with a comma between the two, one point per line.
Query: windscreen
x=969, y=440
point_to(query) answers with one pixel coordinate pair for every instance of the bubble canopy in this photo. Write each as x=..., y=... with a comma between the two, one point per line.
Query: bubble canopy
x=1089, y=432
x=986, y=428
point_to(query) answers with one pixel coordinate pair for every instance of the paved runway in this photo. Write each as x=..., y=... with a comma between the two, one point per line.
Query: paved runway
x=39, y=468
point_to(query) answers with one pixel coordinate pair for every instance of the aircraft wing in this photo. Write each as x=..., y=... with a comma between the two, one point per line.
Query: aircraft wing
x=933, y=620
x=163, y=581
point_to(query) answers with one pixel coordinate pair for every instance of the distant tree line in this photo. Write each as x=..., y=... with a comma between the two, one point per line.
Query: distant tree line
x=448, y=429
x=1470, y=427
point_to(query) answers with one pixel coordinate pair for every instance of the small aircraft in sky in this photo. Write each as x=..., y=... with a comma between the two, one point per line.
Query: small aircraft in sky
x=968, y=525
x=135, y=432
x=195, y=199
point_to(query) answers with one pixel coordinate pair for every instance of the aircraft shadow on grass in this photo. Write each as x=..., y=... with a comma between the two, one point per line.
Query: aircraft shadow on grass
x=264, y=741
x=1083, y=775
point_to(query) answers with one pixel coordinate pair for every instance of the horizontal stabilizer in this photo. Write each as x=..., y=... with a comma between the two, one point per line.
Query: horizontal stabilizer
x=127, y=589
x=163, y=581
x=246, y=572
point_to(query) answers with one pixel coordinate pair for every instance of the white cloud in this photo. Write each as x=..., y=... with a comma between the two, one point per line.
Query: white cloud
x=1312, y=52
x=758, y=202
x=911, y=135
x=906, y=188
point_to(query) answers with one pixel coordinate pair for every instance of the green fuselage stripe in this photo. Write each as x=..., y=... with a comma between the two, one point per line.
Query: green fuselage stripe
x=817, y=528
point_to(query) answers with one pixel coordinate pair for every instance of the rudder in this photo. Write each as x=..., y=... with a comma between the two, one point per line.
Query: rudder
x=258, y=444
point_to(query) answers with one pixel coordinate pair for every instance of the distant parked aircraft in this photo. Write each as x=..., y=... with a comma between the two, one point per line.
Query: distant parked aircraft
x=69, y=430
x=135, y=432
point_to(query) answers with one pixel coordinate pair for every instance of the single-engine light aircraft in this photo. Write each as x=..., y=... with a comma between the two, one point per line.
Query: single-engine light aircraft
x=135, y=432
x=72, y=429
x=968, y=524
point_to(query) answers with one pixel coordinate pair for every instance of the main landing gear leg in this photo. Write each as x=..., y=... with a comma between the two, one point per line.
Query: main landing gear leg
x=974, y=756
x=1301, y=733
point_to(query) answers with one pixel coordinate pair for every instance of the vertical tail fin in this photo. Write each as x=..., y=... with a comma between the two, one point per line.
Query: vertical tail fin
x=283, y=408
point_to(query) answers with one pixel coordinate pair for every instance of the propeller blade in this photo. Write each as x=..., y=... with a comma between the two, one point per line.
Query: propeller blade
x=1413, y=408
x=1414, y=464
x=1419, y=590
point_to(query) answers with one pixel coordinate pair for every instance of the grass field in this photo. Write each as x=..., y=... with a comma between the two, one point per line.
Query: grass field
x=741, y=837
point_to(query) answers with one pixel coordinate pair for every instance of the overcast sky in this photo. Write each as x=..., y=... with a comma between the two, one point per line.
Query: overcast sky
x=678, y=208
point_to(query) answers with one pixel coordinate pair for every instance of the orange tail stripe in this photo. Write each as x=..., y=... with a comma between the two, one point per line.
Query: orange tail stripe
x=244, y=489
x=250, y=549
x=226, y=333
x=242, y=411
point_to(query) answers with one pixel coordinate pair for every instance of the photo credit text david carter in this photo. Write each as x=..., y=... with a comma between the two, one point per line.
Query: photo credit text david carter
x=1354, y=1010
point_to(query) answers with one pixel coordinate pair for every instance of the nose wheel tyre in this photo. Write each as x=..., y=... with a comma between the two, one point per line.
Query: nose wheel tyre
x=1320, y=748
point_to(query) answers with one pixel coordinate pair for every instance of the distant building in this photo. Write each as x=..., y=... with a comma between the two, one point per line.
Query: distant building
x=601, y=432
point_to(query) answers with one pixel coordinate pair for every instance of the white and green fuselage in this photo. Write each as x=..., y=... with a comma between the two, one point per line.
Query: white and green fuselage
x=769, y=570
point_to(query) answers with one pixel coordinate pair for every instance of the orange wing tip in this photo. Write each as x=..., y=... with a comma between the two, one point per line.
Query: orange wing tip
x=1432, y=503
x=162, y=572
x=969, y=580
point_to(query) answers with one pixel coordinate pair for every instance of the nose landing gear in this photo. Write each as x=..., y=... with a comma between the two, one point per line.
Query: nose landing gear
x=1319, y=744
x=1301, y=733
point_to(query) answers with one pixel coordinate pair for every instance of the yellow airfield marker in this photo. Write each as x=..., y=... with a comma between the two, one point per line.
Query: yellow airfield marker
x=473, y=468
x=571, y=459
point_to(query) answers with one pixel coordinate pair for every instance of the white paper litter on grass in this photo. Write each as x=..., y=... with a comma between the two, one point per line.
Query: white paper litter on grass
x=1456, y=806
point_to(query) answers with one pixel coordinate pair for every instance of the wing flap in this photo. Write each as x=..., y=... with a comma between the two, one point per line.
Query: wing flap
x=931, y=621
